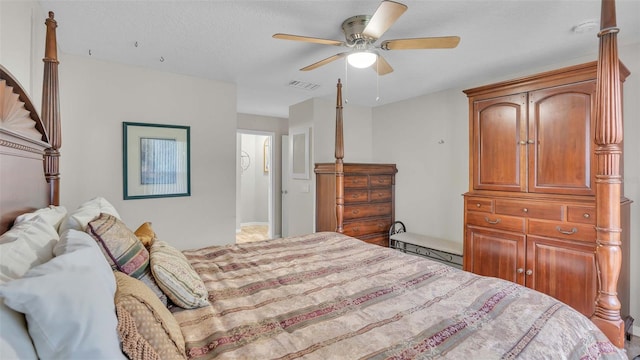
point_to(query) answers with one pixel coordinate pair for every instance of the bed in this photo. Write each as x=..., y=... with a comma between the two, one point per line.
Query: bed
x=78, y=283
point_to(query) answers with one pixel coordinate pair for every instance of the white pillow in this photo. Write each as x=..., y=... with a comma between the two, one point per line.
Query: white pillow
x=79, y=218
x=25, y=245
x=68, y=302
x=15, y=342
x=52, y=214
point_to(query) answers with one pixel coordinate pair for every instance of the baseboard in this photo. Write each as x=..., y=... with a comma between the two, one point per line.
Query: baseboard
x=254, y=223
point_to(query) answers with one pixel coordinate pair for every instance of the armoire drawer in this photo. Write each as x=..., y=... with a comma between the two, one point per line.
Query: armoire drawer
x=496, y=221
x=380, y=180
x=529, y=209
x=360, y=228
x=479, y=204
x=367, y=210
x=556, y=229
x=377, y=239
x=581, y=214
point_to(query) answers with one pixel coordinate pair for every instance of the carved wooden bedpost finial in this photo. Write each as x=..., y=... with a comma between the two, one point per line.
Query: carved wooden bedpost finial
x=608, y=138
x=51, y=111
x=339, y=153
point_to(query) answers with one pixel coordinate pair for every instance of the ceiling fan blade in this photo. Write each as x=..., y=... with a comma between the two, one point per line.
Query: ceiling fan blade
x=324, y=61
x=446, y=42
x=386, y=14
x=382, y=66
x=307, y=39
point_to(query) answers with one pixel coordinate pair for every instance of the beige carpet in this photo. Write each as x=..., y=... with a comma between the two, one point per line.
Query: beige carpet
x=252, y=233
x=633, y=347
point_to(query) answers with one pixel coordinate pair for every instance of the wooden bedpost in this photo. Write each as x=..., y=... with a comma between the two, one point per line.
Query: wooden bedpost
x=51, y=111
x=339, y=164
x=608, y=138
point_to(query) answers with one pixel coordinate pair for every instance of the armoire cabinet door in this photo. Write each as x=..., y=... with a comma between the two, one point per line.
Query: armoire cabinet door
x=495, y=253
x=499, y=125
x=564, y=270
x=561, y=158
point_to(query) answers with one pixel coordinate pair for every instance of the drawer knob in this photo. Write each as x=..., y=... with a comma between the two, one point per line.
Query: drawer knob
x=525, y=210
x=355, y=196
x=529, y=272
x=355, y=212
x=522, y=142
x=478, y=205
x=570, y=232
x=496, y=221
x=520, y=270
x=586, y=215
x=356, y=229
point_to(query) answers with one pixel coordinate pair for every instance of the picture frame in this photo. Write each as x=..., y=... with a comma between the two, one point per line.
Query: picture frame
x=156, y=160
x=299, y=153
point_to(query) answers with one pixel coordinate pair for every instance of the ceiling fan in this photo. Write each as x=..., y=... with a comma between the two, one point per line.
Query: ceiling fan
x=361, y=33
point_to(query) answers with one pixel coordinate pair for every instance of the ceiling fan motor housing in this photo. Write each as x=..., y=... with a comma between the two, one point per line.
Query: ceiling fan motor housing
x=353, y=28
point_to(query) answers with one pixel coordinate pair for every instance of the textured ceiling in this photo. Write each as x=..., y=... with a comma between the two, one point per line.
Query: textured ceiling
x=231, y=41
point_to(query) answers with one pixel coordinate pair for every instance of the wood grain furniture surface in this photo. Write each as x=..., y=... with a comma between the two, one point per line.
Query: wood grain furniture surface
x=531, y=212
x=369, y=200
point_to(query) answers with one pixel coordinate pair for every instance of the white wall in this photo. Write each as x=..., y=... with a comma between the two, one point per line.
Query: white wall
x=22, y=38
x=92, y=111
x=432, y=175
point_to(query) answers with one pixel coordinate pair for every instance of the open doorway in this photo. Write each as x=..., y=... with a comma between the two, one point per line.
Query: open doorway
x=254, y=184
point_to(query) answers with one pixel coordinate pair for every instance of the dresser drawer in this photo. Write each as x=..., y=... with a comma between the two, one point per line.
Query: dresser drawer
x=366, y=227
x=377, y=239
x=366, y=210
x=479, y=204
x=380, y=194
x=571, y=231
x=356, y=196
x=581, y=214
x=380, y=180
x=356, y=181
x=529, y=209
x=496, y=221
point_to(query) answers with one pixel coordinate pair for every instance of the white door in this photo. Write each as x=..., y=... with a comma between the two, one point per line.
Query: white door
x=285, y=186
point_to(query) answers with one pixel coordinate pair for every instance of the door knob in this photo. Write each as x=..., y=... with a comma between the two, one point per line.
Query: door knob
x=520, y=270
x=529, y=272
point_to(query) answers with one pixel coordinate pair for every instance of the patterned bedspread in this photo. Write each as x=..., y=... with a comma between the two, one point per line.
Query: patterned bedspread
x=329, y=296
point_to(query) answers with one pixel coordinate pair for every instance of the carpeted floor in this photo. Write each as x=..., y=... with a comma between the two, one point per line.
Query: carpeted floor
x=250, y=233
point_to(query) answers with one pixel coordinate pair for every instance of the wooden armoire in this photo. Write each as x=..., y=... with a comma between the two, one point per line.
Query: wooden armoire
x=530, y=211
x=369, y=200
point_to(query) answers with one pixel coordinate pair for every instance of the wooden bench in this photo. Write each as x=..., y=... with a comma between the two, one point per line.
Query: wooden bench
x=444, y=251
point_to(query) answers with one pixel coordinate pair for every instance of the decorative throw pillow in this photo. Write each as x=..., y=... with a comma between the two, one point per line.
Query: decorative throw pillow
x=68, y=304
x=176, y=277
x=146, y=235
x=153, y=321
x=79, y=218
x=120, y=246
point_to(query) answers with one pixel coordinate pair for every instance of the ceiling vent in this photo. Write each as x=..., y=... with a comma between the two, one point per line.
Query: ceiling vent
x=303, y=85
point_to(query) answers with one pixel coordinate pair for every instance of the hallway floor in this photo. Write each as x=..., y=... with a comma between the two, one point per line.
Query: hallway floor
x=252, y=233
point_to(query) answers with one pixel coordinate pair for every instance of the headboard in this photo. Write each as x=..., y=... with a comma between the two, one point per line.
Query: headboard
x=29, y=144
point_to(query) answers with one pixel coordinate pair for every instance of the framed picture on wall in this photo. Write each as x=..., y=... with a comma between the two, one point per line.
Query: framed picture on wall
x=299, y=153
x=156, y=160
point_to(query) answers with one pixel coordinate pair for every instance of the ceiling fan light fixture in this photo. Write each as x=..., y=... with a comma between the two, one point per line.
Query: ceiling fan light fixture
x=362, y=59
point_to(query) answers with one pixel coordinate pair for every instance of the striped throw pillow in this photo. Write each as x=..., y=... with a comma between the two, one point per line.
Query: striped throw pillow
x=119, y=245
x=176, y=277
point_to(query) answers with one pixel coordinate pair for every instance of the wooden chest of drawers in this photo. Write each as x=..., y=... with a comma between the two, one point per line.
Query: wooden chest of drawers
x=368, y=200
